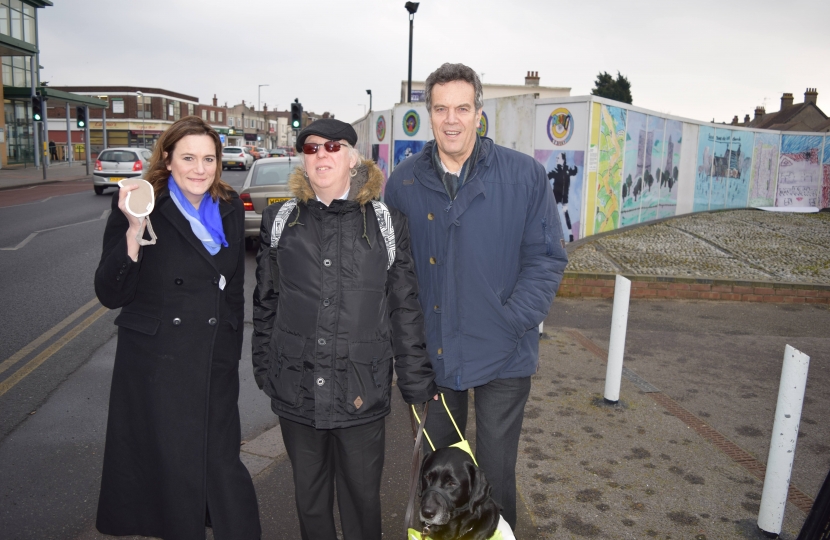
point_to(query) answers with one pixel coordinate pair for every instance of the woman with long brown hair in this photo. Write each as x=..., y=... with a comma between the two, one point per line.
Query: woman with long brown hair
x=171, y=463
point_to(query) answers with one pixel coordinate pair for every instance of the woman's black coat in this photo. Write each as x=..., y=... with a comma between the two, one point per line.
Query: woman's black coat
x=175, y=378
x=330, y=319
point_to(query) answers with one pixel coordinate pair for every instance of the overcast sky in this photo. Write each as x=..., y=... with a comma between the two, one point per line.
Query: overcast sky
x=699, y=59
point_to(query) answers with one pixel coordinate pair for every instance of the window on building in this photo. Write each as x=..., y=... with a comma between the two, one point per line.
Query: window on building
x=16, y=70
x=220, y=116
x=18, y=21
x=204, y=115
x=190, y=109
x=213, y=116
x=230, y=121
x=175, y=109
x=144, y=106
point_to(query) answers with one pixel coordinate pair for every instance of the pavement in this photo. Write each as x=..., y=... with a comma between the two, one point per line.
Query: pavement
x=681, y=456
x=28, y=176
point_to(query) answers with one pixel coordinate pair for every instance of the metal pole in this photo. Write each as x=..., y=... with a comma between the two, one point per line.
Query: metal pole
x=86, y=139
x=104, y=127
x=616, y=348
x=784, y=436
x=68, y=136
x=45, y=124
x=409, y=78
x=35, y=135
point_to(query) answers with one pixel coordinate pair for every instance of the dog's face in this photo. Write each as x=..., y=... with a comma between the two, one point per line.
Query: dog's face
x=455, y=497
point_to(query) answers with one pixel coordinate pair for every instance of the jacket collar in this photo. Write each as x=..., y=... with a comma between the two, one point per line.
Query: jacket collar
x=426, y=173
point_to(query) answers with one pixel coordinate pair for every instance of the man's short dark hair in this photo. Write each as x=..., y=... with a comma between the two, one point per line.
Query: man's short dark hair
x=454, y=72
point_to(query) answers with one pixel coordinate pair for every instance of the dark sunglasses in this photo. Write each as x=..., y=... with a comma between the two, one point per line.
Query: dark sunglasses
x=330, y=146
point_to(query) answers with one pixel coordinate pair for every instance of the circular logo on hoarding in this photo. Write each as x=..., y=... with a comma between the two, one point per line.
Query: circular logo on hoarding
x=380, y=128
x=483, y=125
x=411, y=123
x=560, y=126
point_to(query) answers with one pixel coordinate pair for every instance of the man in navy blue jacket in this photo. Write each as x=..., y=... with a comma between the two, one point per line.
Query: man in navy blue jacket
x=489, y=256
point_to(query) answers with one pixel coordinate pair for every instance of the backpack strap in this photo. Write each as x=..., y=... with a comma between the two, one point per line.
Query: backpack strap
x=387, y=230
x=281, y=219
x=384, y=217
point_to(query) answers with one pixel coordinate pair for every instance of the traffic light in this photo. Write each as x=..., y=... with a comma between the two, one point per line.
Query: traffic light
x=80, y=116
x=296, y=114
x=37, y=109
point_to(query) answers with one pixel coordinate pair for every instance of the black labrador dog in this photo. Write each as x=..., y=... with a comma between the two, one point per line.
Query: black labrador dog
x=455, y=497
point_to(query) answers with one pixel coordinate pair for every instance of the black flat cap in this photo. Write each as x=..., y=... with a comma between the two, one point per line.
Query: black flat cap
x=329, y=128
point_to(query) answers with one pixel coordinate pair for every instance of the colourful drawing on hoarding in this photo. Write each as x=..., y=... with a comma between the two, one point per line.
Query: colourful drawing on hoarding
x=739, y=166
x=380, y=128
x=635, y=151
x=560, y=126
x=671, y=171
x=565, y=172
x=404, y=149
x=610, y=167
x=825, y=184
x=799, y=171
x=720, y=169
x=380, y=155
x=482, y=125
x=653, y=168
x=764, y=169
x=411, y=122
x=703, y=176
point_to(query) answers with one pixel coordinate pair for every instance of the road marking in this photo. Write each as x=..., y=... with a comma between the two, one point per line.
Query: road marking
x=22, y=353
x=35, y=362
x=32, y=235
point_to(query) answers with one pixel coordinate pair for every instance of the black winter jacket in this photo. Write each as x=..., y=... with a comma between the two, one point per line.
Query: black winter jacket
x=329, y=318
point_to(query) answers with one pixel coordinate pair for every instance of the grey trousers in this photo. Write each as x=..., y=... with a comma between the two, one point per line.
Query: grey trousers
x=500, y=408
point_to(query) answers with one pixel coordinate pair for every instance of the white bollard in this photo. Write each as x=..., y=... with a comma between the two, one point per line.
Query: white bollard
x=616, y=349
x=784, y=436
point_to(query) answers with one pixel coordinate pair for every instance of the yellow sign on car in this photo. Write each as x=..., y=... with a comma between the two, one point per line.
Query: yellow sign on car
x=272, y=200
x=116, y=178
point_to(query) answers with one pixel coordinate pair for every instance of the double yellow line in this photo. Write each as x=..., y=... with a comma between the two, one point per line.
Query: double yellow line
x=35, y=362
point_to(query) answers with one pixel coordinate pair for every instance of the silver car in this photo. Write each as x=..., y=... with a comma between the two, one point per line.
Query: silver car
x=236, y=157
x=266, y=184
x=115, y=164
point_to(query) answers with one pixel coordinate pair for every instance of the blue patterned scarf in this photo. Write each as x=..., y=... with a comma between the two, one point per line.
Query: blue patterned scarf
x=205, y=222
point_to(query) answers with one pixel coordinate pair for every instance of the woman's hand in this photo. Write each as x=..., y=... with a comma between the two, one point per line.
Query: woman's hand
x=136, y=228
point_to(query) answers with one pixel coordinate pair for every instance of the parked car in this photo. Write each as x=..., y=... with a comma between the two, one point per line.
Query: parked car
x=254, y=152
x=237, y=157
x=266, y=184
x=115, y=164
x=277, y=152
x=263, y=153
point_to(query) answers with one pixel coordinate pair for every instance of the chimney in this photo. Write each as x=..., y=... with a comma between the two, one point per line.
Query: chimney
x=786, y=100
x=746, y=119
x=215, y=101
x=243, y=102
x=532, y=78
x=811, y=96
x=265, y=107
x=735, y=120
x=759, y=112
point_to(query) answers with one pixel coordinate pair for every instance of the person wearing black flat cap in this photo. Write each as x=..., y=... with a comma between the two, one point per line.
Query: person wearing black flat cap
x=335, y=308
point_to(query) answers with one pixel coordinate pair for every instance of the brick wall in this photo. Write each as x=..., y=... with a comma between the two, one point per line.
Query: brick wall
x=602, y=285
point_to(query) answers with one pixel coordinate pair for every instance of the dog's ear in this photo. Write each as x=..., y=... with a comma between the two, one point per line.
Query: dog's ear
x=422, y=480
x=479, y=486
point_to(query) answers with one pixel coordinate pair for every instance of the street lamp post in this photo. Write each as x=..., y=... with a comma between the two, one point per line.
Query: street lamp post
x=411, y=7
x=370, y=99
x=143, y=112
x=257, y=95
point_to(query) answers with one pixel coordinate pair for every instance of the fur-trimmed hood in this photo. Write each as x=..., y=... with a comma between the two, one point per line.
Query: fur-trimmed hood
x=365, y=185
